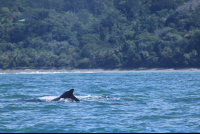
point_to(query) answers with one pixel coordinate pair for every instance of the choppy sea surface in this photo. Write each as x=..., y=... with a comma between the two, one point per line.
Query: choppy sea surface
x=109, y=102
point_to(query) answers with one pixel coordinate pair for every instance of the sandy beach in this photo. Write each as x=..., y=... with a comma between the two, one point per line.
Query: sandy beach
x=16, y=71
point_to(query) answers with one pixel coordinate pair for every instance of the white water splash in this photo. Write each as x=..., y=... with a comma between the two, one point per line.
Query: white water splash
x=47, y=98
x=81, y=98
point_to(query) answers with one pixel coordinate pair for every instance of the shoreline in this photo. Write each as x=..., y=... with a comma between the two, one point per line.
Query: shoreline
x=16, y=71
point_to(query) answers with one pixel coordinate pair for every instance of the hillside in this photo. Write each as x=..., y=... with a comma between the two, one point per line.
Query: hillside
x=99, y=33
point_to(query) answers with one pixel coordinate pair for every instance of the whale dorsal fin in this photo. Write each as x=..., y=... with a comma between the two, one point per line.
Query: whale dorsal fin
x=67, y=94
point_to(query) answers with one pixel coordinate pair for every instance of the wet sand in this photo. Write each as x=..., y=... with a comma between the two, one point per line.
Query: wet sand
x=15, y=71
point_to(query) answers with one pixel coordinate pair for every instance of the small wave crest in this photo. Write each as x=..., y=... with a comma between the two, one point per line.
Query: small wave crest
x=39, y=72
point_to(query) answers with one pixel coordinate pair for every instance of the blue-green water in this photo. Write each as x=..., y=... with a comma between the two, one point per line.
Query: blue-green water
x=109, y=102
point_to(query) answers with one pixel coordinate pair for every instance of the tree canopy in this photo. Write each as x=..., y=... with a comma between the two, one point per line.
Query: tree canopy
x=99, y=33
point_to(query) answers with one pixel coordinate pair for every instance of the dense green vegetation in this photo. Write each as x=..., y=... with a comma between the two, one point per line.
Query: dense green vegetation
x=99, y=33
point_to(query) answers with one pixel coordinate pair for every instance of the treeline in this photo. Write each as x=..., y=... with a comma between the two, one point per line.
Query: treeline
x=99, y=33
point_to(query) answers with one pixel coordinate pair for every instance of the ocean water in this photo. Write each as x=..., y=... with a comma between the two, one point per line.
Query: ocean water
x=109, y=102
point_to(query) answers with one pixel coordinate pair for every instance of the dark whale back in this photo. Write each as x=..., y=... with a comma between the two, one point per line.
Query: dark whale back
x=67, y=94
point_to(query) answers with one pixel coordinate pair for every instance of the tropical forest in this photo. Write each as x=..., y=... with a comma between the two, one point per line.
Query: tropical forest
x=99, y=34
